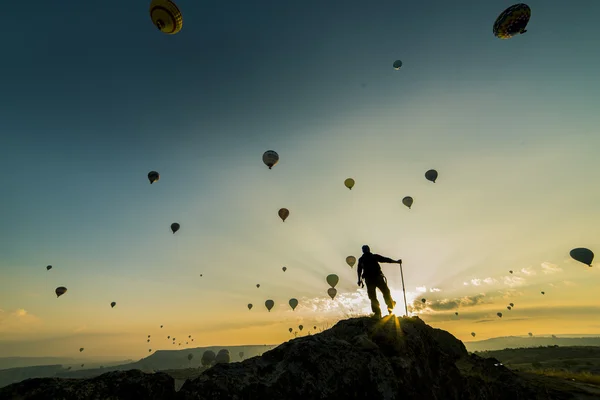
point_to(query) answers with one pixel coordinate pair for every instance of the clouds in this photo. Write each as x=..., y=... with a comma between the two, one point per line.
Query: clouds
x=18, y=321
x=447, y=304
x=529, y=271
x=549, y=268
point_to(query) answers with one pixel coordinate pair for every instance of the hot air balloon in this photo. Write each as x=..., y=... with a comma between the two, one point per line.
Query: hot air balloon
x=284, y=269
x=332, y=292
x=332, y=280
x=351, y=260
x=223, y=357
x=349, y=183
x=241, y=354
x=512, y=304
x=407, y=201
x=208, y=357
x=169, y=337
x=113, y=304
x=315, y=327
x=49, y=267
x=423, y=301
x=269, y=304
x=148, y=335
x=508, y=308
x=473, y=334
x=300, y=327
x=397, y=64
x=166, y=16
x=175, y=227
x=530, y=334
x=81, y=349
x=149, y=350
x=153, y=176
x=583, y=255
x=258, y=285
x=82, y=365
x=148, y=340
x=431, y=175
x=510, y=271
x=456, y=313
x=249, y=306
x=293, y=303
x=283, y=213
x=190, y=356
x=60, y=291
x=270, y=158
x=290, y=330
x=543, y=292
x=499, y=314
x=161, y=326
x=512, y=21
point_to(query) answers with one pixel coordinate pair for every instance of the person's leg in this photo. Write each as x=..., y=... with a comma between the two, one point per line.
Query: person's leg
x=372, y=293
x=385, y=290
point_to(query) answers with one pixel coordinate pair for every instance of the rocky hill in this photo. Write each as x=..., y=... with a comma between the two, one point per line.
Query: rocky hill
x=359, y=358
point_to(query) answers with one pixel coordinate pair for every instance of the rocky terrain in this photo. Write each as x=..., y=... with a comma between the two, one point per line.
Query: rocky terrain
x=358, y=358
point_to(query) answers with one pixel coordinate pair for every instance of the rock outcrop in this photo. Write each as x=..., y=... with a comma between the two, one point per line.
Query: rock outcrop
x=359, y=358
x=116, y=385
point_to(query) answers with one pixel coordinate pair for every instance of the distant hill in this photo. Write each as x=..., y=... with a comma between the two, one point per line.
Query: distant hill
x=19, y=362
x=513, y=342
x=157, y=361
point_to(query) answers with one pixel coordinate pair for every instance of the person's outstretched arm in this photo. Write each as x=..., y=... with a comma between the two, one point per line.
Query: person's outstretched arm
x=386, y=260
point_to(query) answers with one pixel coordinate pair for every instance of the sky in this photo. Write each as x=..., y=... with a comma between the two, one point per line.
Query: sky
x=95, y=98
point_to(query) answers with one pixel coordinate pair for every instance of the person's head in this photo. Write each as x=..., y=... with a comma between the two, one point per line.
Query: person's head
x=366, y=249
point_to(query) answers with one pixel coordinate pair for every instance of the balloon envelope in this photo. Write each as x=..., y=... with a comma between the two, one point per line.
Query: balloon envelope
x=397, y=64
x=60, y=291
x=351, y=260
x=499, y=314
x=153, y=176
x=166, y=16
x=583, y=255
x=512, y=21
x=293, y=303
x=332, y=280
x=175, y=227
x=270, y=158
x=332, y=292
x=349, y=183
x=283, y=213
x=431, y=175
x=269, y=304
x=407, y=201
x=473, y=334
x=114, y=304
x=49, y=267
x=284, y=269
x=249, y=306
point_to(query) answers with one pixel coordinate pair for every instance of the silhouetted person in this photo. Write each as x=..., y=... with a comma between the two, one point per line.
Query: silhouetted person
x=370, y=270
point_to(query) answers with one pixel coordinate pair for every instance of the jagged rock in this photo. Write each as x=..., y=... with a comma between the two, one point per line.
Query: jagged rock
x=360, y=358
x=116, y=385
x=406, y=359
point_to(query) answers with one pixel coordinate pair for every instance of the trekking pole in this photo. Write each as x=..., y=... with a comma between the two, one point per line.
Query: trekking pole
x=403, y=290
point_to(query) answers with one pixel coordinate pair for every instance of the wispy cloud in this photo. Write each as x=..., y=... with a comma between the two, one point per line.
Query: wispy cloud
x=549, y=268
x=18, y=321
x=434, y=290
x=513, y=281
x=528, y=271
x=447, y=304
x=421, y=289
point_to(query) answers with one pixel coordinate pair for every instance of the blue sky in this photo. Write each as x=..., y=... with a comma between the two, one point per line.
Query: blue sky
x=95, y=98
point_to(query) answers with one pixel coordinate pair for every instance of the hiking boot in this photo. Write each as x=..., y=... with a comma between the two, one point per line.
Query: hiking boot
x=391, y=310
